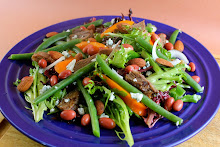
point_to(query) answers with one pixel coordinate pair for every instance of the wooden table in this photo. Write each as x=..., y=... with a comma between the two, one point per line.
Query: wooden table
x=208, y=137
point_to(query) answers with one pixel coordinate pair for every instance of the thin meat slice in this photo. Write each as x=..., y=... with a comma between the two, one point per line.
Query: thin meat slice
x=42, y=55
x=140, y=25
x=138, y=80
x=106, y=51
x=83, y=34
x=162, y=39
x=70, y=101
x=83, y=62
x=152, y=118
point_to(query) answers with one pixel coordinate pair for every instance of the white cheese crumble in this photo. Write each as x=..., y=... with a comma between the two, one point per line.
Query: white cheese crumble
x=81, y=111
x=135, y=80
x=45, y=88
x=55, y=87
x=74, y=37
x=74, y=83
x=88, y=41
x=71, y=65
x=57, y=102
x=137, y=96
x=68, y=30
x=167, y=41
x=147, y=64
x=65, y=53
x=144, y=67
x=41, y=70
x=93, y=60
x=54, y=63
x=52, y=110
x=117, y=73
x=103, y=115
x=66, y=100
x=112, y=96
x=148, y=73
x=109, y=42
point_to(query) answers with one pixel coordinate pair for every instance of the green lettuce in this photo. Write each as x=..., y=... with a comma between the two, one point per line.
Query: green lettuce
x=119, y=113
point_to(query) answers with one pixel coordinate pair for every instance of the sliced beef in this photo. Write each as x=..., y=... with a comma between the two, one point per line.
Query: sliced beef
x=83, y=62
x=162, y=39
x=138, y=80
x=83, y=34
x=140, y=25
x=42, y=55
x=106, y=51
x=152, y=118
x=70, y=101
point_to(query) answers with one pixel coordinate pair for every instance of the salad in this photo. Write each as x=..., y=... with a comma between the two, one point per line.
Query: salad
x=105, y=74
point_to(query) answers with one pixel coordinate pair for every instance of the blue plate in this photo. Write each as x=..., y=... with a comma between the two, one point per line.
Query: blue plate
x=52, y=132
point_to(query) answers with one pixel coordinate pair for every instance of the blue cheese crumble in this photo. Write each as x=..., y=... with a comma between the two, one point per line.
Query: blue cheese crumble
x=137, y=96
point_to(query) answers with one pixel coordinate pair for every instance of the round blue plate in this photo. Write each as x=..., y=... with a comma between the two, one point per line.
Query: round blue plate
x=52, y=132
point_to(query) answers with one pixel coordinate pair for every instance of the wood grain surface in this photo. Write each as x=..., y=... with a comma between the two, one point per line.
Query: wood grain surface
x=208, y=137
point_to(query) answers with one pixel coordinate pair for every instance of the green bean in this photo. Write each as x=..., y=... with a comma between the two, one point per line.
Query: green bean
x=92, y=109
x=174, y=36
x=51, y=40
x=148, y=47
x=156, y=67
x=62, y=84
x=78, y=50
x=61, y=47
x=64, y=34
x=59, y=42
x=145, y=100
x=107, y=24
x=96, y=23
x=189, y=80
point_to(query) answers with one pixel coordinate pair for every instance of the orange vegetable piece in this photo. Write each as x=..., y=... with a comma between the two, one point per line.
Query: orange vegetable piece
x=135, y=106
x=61, y=66
x=83, y=44
x=151, y=42
x=114, y=27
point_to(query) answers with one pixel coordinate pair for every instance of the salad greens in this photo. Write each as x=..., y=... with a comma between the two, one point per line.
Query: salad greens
x=151, y=84
x=34, y=91
x=119, y=113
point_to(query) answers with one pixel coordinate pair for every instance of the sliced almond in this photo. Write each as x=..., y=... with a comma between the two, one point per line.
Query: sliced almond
x=179, y=46
x=50, y=34
x=78, y=56
x=164, y=62
x=25, y=83
x=122, y=27
x=55, y=55
x=137, y=61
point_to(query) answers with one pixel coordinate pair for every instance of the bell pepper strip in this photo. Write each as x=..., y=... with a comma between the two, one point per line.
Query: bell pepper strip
x=61, y=66
x=145, y=100
x=114, y=27
x=135, y=106
x=83, y=44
